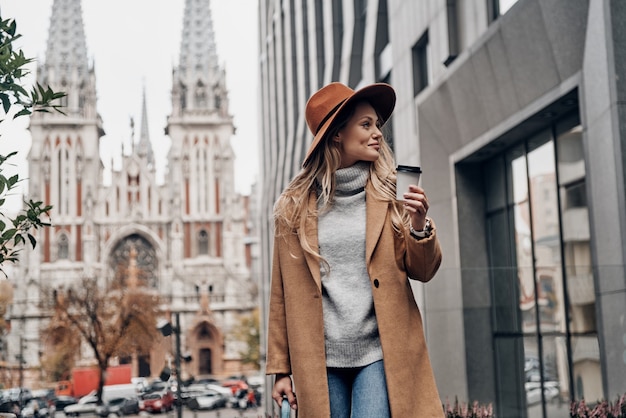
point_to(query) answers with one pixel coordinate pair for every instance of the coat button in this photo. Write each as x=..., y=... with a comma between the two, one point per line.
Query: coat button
x=376, y=283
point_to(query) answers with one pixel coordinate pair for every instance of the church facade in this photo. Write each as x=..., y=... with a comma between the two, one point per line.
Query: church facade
x=188, y=235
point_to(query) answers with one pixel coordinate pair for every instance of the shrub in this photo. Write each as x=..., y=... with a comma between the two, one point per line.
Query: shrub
x=603, y=409
x=463, y=410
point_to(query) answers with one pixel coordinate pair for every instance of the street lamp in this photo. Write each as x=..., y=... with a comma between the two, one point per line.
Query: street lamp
x=167, y=329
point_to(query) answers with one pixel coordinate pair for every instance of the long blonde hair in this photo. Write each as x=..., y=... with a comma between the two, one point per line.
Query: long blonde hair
x=318, y=176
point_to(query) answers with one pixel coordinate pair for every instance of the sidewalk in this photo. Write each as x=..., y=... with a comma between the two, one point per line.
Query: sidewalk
x=220, y=413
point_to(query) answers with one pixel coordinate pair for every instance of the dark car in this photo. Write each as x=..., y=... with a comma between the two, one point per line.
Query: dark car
x=119, y=406
x=61, y=401
x=9, y=406
x=157, y=401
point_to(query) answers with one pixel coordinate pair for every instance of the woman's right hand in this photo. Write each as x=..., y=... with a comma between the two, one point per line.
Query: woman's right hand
x=283, y=388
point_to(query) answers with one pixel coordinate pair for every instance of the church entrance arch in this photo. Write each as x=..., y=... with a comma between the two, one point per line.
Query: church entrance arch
x=206, y=342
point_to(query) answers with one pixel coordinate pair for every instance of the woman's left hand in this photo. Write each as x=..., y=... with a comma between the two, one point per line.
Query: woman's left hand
x=416, y=203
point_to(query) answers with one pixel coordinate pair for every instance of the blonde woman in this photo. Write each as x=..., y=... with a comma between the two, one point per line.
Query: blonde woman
x=345, y=335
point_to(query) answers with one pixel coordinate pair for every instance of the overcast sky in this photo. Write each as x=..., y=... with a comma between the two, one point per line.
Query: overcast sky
x=135, y=43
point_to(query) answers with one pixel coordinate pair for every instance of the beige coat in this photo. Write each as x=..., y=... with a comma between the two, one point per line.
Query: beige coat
x=296, y=327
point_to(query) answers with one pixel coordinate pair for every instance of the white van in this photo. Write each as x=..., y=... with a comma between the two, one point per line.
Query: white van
x=119, y=391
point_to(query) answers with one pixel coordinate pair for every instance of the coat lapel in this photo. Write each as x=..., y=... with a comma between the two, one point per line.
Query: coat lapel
x=376, y=212
x=311, y=236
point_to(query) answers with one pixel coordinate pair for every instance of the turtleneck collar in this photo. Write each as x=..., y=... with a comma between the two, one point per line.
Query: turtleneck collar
x=352, y=180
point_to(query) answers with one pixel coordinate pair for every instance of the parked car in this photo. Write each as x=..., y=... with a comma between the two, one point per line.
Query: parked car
x=206, y=381
x=119, y=406
x=36, y=408
x=85, y=405
x=157, y=401
x=61, y=401
x=8, y=406
x=235, y=385
x=533, y=391
x=207, y=399
x=17, y=394
x=190, y=392
x=47, y=394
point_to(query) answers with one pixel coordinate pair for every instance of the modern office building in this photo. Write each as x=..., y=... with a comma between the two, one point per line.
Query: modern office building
x=188, y=236
x=515, y=112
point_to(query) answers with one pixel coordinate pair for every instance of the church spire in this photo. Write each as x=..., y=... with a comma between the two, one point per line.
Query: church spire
x=199, y=84
x=198, y=53
x=144, y=147
x=66, y=65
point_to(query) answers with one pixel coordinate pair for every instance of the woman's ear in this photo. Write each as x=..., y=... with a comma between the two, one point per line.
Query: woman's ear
x=337, y=137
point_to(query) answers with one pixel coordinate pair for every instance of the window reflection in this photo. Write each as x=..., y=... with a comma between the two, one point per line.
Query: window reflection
x=540, y=252
x=587, y=375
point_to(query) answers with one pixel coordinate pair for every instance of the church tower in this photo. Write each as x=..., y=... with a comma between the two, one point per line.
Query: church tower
x=186, y=236
x=64, y=161
x=209, y=227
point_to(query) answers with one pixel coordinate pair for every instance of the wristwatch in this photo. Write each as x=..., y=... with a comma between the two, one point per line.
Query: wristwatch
x=424, y=233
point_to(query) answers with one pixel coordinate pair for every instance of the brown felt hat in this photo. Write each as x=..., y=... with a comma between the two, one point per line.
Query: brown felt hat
x=328, y=102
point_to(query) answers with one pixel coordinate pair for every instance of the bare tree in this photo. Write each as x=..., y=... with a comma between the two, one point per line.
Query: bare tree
x=112, y=320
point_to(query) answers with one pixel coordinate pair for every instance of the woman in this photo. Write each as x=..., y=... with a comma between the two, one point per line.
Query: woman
x=342, y=318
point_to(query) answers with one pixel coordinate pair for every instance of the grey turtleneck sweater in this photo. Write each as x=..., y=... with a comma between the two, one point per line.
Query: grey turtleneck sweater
x=350, y=325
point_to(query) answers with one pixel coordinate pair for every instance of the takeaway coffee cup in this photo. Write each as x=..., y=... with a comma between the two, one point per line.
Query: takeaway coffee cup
x=405, y=176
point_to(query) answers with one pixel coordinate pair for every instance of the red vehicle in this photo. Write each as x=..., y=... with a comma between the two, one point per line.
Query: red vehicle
x=86, y=379
x=235, y=385
x=157, y=401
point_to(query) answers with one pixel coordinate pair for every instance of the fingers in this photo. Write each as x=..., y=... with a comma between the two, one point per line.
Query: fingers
x=415, y=201
x=291, y=397
x=283, y=388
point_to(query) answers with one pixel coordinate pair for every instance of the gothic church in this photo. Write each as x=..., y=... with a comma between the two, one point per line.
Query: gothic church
x=189, y=236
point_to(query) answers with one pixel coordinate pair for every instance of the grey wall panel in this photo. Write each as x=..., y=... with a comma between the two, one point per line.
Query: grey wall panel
x=566, y=24
x=529, y=52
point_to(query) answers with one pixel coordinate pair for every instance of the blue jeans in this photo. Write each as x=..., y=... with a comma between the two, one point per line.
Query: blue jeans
x=358, y=392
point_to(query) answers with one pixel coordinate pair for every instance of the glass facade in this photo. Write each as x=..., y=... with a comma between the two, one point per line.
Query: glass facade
x=543, y=303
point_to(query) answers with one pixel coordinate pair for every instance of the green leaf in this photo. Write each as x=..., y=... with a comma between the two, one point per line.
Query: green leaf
x=23, y=112
x=12, y=180
x=8, y=234
x=6, y=102
x=33, y=241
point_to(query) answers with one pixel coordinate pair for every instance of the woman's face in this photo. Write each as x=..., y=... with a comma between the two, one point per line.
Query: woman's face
x=359, y=139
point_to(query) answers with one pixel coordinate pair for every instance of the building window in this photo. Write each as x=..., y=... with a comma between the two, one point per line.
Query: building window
x=420, y=64
x=382, y=47
x=337, y=34
x=145, y=256
x=543, y=297
x=496, y=8
x=63, y=248
x=453, y=31
x=203, y=242
x=356, y=54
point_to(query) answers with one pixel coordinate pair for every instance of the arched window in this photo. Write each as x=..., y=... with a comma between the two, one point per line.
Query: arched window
x=203, y=242
x=63, y=247
x=145, y=256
